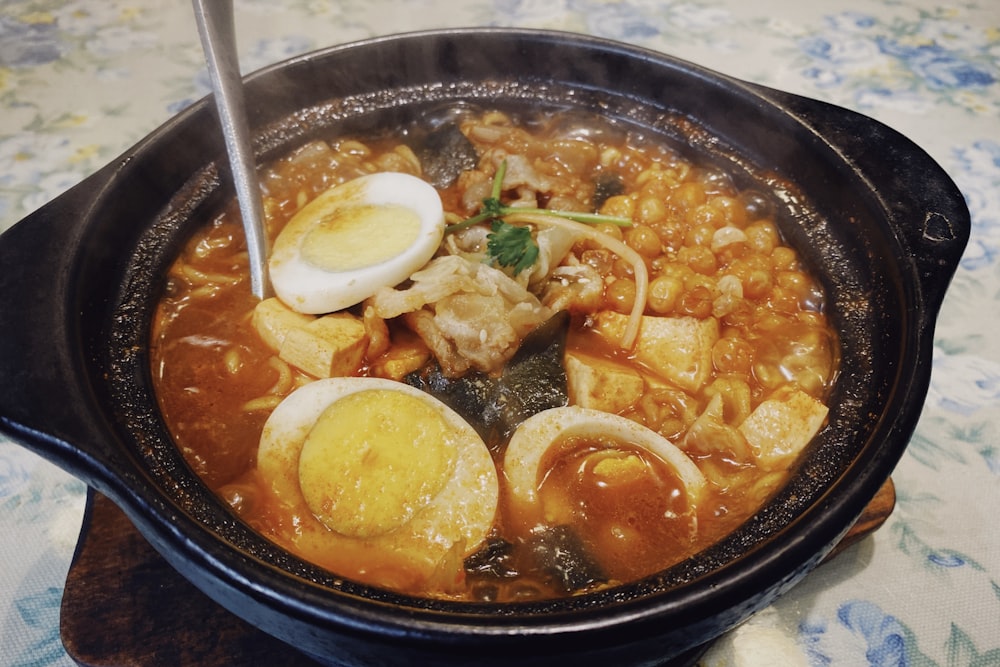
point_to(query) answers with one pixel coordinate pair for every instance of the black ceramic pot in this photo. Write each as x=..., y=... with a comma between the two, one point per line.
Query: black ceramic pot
x=878, y=220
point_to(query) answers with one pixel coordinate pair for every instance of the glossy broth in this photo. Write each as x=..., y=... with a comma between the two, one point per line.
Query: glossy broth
x=714, y=254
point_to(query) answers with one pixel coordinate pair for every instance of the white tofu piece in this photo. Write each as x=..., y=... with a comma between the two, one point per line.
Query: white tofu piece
x=273, y=320
x=601, y=384
x=780, y=427
x=330, y=346
x=735, y=393
x=678, y=349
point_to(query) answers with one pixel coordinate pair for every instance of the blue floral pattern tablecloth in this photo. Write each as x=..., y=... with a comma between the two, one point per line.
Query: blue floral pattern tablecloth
x=82, y=81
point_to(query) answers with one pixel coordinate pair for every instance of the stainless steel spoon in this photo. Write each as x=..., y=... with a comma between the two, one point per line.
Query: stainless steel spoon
x=218, y=39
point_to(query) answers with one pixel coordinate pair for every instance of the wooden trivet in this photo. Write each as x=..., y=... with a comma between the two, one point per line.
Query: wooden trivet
x=124, y=606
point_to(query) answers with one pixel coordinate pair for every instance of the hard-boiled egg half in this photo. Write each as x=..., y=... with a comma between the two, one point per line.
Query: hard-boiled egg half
x=386, y=484
x=354, y=238
x=628, y=492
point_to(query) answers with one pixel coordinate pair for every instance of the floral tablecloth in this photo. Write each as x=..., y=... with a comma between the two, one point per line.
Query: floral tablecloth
x=82, y=81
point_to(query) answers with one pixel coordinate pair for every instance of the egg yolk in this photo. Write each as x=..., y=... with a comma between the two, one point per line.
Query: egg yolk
x=373, y=460
x=355, y=237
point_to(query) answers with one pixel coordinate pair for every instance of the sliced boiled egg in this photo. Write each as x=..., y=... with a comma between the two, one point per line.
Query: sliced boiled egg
x=537, y=435
x=383, y=483
x=354, y=238
x=628, y=493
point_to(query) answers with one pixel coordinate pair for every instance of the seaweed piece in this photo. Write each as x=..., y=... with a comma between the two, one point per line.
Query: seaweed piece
x=606, y=186
x=474, y=396
x=533, y=380
x=493, y=560
x=444, y=154
x=561, y=554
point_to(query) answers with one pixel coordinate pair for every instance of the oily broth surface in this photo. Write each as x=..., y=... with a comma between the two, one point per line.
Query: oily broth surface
x=217, y=381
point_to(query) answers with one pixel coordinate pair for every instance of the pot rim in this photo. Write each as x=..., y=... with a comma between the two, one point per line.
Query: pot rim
x=830, y=518
x=204, y=555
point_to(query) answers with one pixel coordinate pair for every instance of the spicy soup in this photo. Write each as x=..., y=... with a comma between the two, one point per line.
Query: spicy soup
x=509, y=358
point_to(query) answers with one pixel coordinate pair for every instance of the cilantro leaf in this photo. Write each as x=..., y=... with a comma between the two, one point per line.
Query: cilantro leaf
x=511, y=245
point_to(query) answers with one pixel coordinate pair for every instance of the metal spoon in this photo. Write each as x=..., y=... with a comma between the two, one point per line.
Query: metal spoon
x=218, y=39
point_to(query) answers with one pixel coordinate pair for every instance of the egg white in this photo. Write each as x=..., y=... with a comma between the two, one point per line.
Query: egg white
x=534, y=437
x=312, y=287
x=445, y=528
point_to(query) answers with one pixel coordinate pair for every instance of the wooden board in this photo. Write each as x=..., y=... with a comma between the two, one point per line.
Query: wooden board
x=871, y=519
x=124, y=606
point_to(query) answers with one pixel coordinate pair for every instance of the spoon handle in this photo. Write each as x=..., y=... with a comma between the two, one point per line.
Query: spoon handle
x=218, y=39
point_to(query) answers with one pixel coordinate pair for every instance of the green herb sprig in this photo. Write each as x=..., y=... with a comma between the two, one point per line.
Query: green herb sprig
x=511, y=245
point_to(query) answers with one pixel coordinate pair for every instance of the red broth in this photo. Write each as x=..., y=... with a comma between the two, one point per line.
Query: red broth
x=717, y=265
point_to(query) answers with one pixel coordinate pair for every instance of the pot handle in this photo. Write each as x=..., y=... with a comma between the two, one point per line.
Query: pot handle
x=46, y=404
x=927, y=210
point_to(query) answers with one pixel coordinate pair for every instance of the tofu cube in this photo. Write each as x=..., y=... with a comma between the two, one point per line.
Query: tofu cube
x=330, y=346
x=780, y=427
x=735, y=396
x=273, y=320
x=678, y=349
x=601, y=384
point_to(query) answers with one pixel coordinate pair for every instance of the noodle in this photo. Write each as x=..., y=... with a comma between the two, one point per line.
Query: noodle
x=262, y=403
